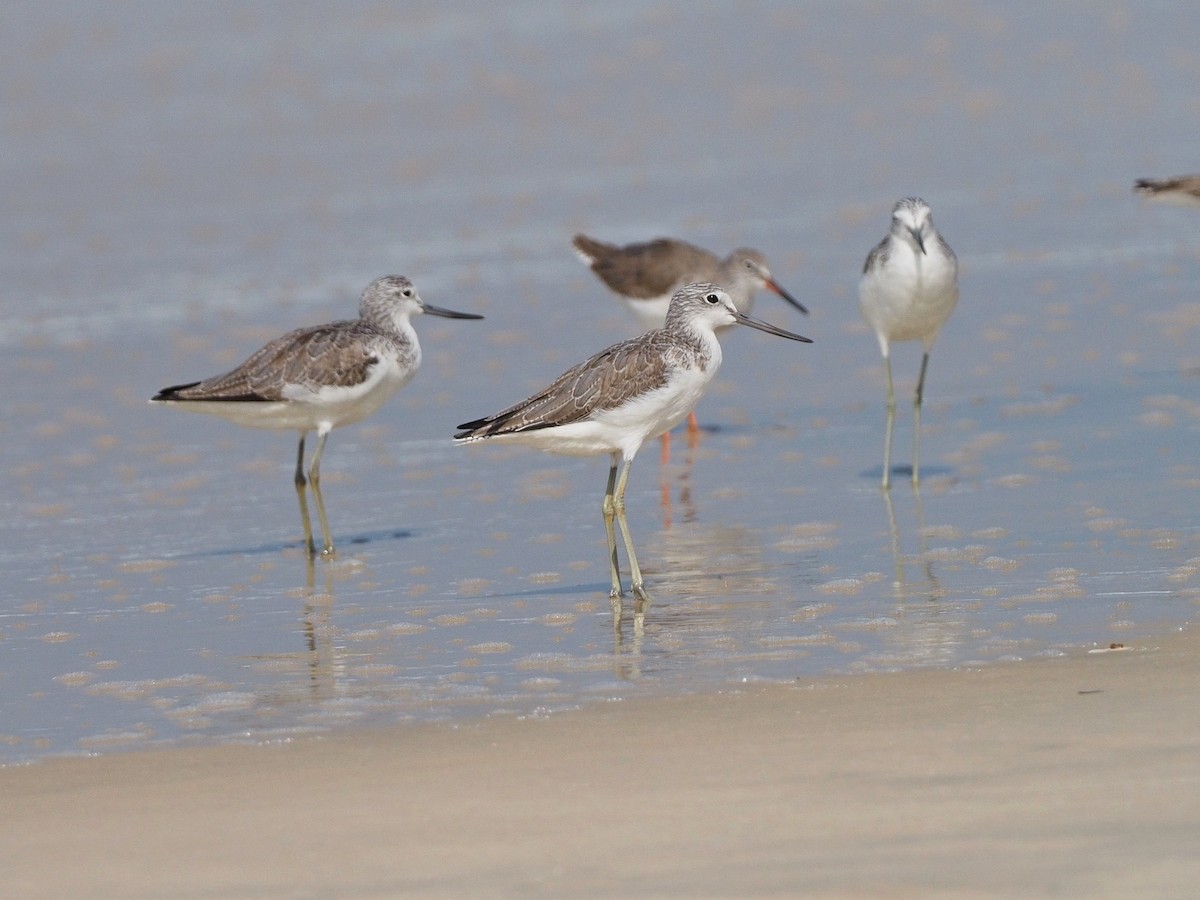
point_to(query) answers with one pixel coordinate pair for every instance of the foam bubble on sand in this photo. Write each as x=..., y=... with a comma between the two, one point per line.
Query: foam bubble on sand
x=844, y=586
x=145, y=565
x=1001, y=563
x=491, y=647
x=75, y=679
x=540, y=684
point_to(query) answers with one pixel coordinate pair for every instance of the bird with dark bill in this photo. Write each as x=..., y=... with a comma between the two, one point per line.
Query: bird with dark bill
x=647, y=275
x=908, y=289
x=320, y=378
x=623, y=396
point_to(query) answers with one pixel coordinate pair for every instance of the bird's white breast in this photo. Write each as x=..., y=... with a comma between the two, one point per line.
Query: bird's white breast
x=910, y=297
x=623, y=429
x=337, y=405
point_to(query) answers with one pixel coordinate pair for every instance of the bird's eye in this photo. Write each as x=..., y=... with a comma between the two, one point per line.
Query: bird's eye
x=407, y=292
x=712, y=299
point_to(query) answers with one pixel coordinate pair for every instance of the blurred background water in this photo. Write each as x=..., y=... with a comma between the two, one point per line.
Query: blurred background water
x=185, y=182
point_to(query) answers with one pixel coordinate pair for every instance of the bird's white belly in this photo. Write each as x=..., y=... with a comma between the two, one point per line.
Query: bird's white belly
x=655, y=412
x=305, y=409
x=912, y=303
x=625, y=428
x=651, y=312
x=339, y=406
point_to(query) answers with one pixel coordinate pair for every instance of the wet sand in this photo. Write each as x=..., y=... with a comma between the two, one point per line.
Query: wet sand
x=1075, y=777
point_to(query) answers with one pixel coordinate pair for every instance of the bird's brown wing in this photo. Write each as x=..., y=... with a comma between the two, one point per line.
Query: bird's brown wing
x=647, y=270
x=335, y=355
x=607, y=380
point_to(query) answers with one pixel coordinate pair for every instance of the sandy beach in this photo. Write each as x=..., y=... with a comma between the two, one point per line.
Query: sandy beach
x=1075, y=777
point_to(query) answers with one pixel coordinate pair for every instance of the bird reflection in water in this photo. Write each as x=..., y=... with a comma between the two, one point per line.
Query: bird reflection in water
x=677, y=476
x=708, y=571
x=927, y=585
x=627, y=651
x=317, y=624
x=713, y=577
x=681, y=475
x=930, y=617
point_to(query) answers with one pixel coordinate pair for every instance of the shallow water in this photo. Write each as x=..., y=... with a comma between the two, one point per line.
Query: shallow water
x=191, y=182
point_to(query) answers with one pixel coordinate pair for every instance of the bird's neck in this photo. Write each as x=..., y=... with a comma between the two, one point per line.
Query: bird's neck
x=704, y=344
x=398, y=326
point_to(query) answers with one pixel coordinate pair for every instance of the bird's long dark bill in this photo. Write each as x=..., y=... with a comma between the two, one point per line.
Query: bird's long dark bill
x=788, y=297
x=447, y=313
x=770, y=329
x=916, y=233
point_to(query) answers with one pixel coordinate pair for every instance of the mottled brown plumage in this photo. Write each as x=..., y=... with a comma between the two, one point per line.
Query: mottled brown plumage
x=340, y=354
x=611, y=378
x=320, y=378
x=623, y=396
x=650, y=269
x=646, y=275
